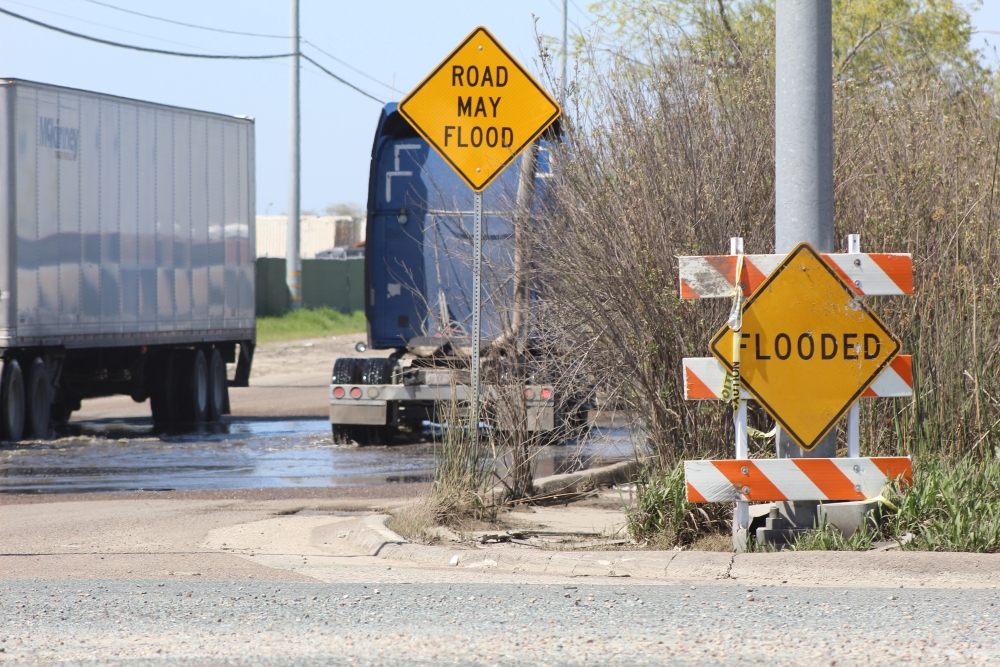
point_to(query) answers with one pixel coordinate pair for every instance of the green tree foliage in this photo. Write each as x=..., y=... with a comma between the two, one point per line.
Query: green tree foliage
x=881, y=39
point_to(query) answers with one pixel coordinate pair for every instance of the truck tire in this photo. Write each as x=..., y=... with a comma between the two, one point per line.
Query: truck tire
x=377, y=370
x=346, y=370
x=343, y=434
x=160, y=383
x=38, y=401
x=11, y=402
x=218, y=388
x=190, y=386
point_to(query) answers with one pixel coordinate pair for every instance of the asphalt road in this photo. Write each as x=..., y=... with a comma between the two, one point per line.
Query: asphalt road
x=104, y=622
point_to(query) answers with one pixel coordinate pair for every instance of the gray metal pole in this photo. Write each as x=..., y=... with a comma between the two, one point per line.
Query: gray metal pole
x=562, y=88
x=293, y=263
x=477, y=275
x=803, y=183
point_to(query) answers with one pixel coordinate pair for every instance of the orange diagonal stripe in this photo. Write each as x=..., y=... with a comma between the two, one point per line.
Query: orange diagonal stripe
x=761, y=488
x=899, y=268
x=687, y=292
x=840, y=272
x=752, y=277
x=694, y=496
x=696, y=388
x=725, y=265
x=827, y=477
x=895, y=466
x=903, y=365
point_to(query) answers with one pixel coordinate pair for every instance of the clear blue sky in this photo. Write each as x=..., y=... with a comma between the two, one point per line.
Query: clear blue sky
x=390, y=40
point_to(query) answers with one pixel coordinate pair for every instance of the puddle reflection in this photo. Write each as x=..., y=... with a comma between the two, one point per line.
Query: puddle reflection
x=126, y=455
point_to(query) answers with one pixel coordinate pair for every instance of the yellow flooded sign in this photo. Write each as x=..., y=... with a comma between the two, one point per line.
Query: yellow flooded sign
x=809, y=347
x=479, y=109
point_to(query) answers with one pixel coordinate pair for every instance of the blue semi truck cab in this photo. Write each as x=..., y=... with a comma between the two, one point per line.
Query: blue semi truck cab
x=418, y=289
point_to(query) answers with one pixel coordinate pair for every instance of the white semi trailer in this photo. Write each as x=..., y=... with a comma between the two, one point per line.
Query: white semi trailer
x=127, y=261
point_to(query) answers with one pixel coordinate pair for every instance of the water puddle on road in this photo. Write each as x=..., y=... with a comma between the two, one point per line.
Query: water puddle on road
x=243, y=454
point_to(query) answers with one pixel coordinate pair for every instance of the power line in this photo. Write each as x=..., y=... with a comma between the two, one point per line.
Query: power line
x=235, y=32
x=182, y=54
x=186, y=25
x=133, y=47
x=350, y=67
x=103, y=25
x=346, y=83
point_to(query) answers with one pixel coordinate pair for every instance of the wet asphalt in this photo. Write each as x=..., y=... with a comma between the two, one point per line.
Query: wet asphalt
x=242, y=453
x=86, y=622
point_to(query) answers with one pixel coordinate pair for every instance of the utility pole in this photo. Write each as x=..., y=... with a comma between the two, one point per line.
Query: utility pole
x=293, y=263
x=803, y=179
x=803, y=183
x=562, y=87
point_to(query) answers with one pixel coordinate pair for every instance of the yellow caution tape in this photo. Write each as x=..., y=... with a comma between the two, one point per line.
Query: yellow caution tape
x=754, y=433
x=732, y=384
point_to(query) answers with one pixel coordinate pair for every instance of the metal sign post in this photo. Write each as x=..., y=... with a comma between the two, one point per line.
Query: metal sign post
x=477, y=304
x=479, y=109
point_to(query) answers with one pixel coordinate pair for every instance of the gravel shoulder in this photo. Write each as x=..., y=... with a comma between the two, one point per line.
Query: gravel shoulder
x=86, y=622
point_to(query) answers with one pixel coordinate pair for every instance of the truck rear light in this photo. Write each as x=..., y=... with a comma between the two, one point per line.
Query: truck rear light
x=529, y=393
x=355, y=392
x=546, y=393
x=338, y=392
x=372, y=392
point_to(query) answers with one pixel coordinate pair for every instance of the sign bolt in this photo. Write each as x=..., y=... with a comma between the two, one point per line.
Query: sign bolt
x=857, y=487
x=477, y=170
x=746, y=490
x=857, y=262
x=857, y=283
x=745, y=470
x=857, y=469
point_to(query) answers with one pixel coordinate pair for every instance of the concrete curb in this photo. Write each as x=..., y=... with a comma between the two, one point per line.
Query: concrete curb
x=371, y=535
x=887, y=569
x=585, y=480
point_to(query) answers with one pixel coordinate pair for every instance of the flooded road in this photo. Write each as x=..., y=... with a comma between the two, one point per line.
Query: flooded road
x=247, y=453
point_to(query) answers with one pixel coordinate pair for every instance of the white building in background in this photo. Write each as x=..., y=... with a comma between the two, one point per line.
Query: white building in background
x=317, y=233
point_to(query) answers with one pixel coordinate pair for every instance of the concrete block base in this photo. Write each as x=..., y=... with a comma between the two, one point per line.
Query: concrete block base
x=848, y=517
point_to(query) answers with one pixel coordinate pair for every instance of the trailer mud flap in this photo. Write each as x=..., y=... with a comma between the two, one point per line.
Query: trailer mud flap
x=243, y=364
x=371, y=413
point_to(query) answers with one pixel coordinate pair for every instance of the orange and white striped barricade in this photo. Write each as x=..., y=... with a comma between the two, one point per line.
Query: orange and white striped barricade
x=773, y=480
x=871, y=274
x=742, y=480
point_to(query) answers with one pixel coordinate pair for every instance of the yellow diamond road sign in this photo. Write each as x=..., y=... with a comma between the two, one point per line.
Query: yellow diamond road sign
x=479, y=109
x=809, y=347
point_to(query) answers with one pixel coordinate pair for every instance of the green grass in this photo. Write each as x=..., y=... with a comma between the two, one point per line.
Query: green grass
x=315, y=323
x=953, y=505
x=662, y=516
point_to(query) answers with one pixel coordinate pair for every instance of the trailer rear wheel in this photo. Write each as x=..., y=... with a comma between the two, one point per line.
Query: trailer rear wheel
x=218, y=388
x=343, y=434
x=12, y=401
x=346, y=370
x=38, y=403
x=191, y=386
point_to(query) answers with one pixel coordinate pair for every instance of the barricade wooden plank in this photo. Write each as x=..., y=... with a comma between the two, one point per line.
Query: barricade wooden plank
x=774, y=480
x=713, y=276
x=705, y=376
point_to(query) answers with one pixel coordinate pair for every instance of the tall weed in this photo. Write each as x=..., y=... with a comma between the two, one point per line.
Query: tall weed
x=662, y=516
x=953, y=505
